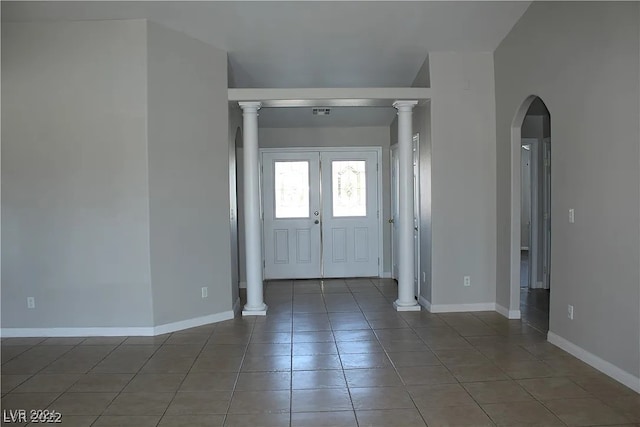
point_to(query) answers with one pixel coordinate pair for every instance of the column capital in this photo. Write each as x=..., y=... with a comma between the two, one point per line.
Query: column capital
x=405, y=105
x=250, y=105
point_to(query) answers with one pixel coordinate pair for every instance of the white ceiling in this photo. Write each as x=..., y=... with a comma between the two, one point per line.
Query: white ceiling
x=311, y=43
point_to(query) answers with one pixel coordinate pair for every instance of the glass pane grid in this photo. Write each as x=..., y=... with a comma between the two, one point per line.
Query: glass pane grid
x=291, y=189
x=349, y=188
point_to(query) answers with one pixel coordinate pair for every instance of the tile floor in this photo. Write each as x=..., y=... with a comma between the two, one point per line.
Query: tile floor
x=327, y=354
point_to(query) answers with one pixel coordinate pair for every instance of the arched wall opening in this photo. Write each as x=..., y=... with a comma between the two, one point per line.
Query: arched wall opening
x=530, y=254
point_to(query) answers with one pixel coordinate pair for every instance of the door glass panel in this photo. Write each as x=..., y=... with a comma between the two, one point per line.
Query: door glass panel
x=292, y=189
x=349, y=184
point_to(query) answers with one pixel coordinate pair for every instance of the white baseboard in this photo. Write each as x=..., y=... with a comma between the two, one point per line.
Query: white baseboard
x=143, y=331
x=386, y=275
x=423, y=302
x=243, y=285
x=457, y=308
x=602, y=365
x=192, y=323
x=116, y=331
x=237, y=307
x=509, y=314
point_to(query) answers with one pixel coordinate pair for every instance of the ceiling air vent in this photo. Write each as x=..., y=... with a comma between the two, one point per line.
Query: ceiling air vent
x=321, y=111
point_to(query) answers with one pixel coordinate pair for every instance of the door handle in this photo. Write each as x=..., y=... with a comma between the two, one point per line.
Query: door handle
x=316, y=222
x=316, y=213
x=390, y=220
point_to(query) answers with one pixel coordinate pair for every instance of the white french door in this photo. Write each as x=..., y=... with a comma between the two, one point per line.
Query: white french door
x=320, y=214
x=291, y=203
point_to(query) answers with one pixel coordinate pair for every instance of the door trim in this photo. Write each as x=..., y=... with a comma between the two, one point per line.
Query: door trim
x=378, y=151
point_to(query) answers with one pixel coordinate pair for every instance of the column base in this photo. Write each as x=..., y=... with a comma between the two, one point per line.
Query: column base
x=399, y=307
x=255, y=311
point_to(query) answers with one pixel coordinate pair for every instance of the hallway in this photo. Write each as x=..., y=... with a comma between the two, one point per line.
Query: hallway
x=328, y=353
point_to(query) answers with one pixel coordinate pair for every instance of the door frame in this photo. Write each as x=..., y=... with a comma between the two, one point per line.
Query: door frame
x=378, y=151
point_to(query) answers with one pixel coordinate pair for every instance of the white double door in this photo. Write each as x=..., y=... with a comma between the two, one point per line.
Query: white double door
x=320, y=214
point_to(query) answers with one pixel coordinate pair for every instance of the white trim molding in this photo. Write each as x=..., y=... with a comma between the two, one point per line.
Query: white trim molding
x=192, y=323
x=243, y=285
x=598, y=363
x=386, y=275
x=141, y=331
x=423, y=302
x=458, y=308
x=509, y=314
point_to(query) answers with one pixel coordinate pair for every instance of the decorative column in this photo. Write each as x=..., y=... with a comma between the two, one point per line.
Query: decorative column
x=406, y=300
x=252, y=225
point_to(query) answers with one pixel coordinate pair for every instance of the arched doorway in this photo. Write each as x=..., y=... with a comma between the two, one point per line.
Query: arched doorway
x=531, y=203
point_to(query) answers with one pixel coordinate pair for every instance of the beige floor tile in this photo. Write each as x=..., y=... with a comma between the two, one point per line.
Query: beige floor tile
x=82, y=403
x=103, y=340
x=139, y=404
x=28, y=401
x=427, y=396
x=256, y=381
x=209, y=381
x=521, y=414
x=330, y=399
x=629, y=405
x=380, y=377
x=127, y=421
x=199, y=403
x=72, y=421
x=324, y=419
x=269, y=349
x=315, y=362
x=10, y=382
x=47, y=383
x=527, y=369
x=318, y=379
x=464, y=373
x=390, y=417
x=381, y=398
x=497, y=392
x=155, y=383
x=312, y=348
x=357, y=335
x=417, y=375
x=585, y=412
x=253, y=420
x=89, y=383
x=266, y=363
x=406, y=359
x=346, y=347
x=312, y=336
x=364, y=361
x=253, y=402
x=553, y=388
x=470, y=415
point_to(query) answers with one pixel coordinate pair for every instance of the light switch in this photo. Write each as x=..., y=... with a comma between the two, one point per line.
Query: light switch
x=572, y=216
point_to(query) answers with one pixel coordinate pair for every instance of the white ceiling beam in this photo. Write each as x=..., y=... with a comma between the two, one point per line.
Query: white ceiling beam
x=330, y=97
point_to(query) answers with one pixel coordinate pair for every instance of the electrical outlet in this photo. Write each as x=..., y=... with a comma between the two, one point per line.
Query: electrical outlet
x=572, y=216
x=31, y=302
x=570, y=311
x=467, y=280
x=205, y=292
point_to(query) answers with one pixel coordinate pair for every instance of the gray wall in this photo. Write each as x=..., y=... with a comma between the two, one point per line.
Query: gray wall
x=463, y=177
x=584, y=66
x=328, y=137
x=188, y=176
x=74, y=175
